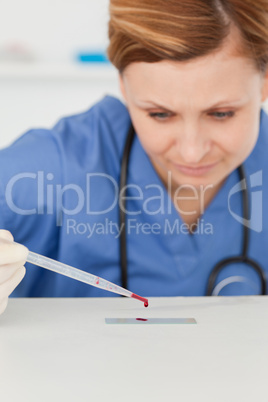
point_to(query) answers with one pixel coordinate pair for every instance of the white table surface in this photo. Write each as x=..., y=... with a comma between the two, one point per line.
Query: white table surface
x=62, y=350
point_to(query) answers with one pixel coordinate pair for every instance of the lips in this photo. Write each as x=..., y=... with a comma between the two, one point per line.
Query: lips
x=195, y=170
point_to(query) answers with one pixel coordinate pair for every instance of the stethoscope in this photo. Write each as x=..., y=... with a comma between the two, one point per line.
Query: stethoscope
x=211, y=284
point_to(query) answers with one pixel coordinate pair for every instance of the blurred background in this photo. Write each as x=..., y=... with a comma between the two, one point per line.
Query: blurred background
x=52, y=62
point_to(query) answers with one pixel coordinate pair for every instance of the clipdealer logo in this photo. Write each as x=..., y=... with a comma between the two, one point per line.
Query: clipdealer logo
x=46, y=196
x=255, y=222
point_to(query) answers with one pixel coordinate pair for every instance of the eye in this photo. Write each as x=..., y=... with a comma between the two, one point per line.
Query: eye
x=222, y=115
x=159, y=115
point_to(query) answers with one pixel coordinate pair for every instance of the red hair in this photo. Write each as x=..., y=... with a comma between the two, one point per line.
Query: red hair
x=155, y=30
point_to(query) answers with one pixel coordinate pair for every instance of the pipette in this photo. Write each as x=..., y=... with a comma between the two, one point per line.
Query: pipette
x=79, y=275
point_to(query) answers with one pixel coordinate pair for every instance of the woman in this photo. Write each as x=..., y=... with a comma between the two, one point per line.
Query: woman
x=193, y=76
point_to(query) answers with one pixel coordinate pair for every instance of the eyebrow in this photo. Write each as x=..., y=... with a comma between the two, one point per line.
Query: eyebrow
x=214, y=106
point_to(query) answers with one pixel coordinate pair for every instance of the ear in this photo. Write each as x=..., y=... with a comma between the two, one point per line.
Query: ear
x=122, y=86
x=265, y=87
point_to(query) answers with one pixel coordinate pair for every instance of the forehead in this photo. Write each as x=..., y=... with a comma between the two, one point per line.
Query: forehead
x=226, y=71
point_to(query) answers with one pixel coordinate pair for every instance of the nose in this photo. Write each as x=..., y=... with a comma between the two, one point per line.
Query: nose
x=192, y=144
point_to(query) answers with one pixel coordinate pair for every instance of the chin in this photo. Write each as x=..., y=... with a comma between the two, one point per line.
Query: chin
x=196, y=182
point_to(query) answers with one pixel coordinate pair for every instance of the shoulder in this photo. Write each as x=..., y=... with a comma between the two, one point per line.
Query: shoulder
x=102, y=127
x=35, y=150
x=107, y=120
x=94, y=140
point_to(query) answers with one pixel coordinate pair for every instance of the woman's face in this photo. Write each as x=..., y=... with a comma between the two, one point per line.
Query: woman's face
x=198, y=120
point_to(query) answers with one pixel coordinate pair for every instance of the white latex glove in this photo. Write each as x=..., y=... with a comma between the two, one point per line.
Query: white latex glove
x=12, y=270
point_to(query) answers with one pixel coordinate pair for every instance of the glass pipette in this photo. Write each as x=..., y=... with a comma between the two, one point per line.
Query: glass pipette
x=79, y=275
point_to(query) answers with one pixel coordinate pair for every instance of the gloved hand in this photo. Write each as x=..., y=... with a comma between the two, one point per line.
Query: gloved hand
x=12, y=270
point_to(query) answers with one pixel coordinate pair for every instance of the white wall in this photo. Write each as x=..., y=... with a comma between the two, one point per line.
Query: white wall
x=37, y=93
x=54, y=29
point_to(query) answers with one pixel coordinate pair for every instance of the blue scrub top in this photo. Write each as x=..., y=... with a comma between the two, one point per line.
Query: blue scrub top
x=58, y=197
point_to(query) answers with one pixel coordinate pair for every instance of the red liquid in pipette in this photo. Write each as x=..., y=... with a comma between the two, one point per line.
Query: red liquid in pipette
x=145, y=301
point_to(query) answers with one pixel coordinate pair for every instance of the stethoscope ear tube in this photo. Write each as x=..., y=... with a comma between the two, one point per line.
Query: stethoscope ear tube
x=243, y=258
x=122, y=205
